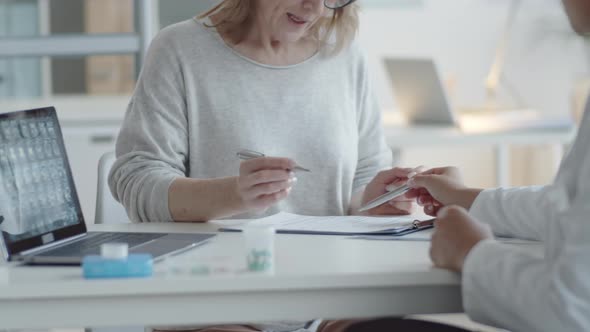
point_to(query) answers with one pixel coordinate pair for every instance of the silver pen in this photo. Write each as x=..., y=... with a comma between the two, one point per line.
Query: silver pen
x=392, y=192
x=385, y=198
x=249, y=154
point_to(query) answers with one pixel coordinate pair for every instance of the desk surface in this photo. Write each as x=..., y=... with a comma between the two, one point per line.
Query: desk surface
x=317, y=276
x=401, y=135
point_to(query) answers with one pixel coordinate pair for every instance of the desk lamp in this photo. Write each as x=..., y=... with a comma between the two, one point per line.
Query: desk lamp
x=494, y=76
x=491, y=115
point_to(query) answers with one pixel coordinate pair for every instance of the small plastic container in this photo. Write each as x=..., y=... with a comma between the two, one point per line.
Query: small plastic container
x=260, y=251
x=115, y=262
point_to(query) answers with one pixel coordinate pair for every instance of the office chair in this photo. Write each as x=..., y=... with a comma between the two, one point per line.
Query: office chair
x=401, y=324
x=108, y=210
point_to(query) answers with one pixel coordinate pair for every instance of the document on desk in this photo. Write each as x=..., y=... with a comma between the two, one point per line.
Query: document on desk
x=334, y=225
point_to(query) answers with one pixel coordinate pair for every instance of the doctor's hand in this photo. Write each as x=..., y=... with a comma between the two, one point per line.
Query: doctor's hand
x=264, y=182
x=401, y=205
x=439, y=187
x=455, y=235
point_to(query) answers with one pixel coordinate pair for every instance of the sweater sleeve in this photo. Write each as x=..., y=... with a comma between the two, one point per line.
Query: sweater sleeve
x=373, y=153
x=152, y=146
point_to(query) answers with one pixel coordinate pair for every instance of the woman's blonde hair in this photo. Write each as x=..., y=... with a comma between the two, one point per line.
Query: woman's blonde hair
x=335, y=32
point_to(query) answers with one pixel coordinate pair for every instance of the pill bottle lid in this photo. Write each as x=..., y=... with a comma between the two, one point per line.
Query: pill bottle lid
x=114, y=250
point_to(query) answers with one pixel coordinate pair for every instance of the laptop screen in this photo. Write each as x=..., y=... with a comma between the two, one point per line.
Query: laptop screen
x=38, y=199
x=419, y=92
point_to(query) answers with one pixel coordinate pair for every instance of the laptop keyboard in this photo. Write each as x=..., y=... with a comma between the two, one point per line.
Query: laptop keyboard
x=91, y=245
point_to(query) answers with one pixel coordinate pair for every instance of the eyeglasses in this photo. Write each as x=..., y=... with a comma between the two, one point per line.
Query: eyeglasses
x=337, y=4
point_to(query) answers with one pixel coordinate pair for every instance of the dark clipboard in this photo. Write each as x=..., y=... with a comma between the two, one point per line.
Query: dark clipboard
x=415, y=226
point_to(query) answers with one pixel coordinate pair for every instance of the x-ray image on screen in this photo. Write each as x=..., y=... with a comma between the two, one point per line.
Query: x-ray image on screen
x=35, y=193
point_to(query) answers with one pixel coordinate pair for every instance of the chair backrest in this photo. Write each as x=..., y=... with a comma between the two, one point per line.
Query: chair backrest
x=108, y=210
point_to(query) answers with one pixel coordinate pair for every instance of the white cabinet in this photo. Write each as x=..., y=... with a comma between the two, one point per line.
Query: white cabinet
x=85, y=145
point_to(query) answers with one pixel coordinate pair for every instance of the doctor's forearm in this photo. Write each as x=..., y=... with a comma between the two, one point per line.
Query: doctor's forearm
x=204, y=199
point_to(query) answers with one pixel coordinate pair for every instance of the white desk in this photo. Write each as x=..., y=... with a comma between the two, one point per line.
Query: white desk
x=401, y=136
x=317, y=276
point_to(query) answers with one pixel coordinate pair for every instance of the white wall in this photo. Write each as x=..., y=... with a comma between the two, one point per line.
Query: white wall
x=543, y=62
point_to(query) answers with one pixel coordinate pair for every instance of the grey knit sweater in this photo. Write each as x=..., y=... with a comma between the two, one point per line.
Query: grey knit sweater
x=198, y=102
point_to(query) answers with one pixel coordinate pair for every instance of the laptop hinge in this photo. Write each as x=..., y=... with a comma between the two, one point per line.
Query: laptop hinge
x=51, y=245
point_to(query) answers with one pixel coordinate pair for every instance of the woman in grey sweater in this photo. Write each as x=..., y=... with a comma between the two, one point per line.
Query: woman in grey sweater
x=283, y=77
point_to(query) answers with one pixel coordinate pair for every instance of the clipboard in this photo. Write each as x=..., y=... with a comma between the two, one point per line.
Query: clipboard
x=415, y=226
x=418, y=225
x=335, y=226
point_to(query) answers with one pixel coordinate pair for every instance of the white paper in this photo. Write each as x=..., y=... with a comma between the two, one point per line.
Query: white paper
x=284, y=221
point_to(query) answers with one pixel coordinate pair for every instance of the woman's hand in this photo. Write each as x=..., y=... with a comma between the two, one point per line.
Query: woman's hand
x=439, y=187
x=455, y=235
x=264, y=182
x=401, y=205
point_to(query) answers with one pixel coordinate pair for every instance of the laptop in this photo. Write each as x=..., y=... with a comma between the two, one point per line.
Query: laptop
x=422, y=98
x=41, y=219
